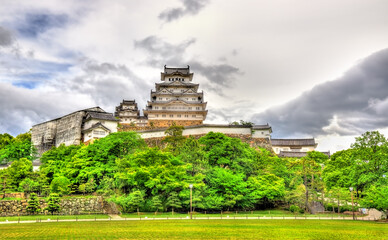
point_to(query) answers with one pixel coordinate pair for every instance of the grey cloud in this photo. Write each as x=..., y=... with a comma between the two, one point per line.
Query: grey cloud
x=161, y=53
x=106, y=83
x=219, y=74
x=102, y=84
x=190, y=7
x=6, y=38
x=350, y=105
x=21, y=108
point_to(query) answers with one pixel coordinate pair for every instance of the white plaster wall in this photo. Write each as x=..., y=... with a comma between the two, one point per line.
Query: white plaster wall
x=90, y=134
x=261, y=134
x=111, y=125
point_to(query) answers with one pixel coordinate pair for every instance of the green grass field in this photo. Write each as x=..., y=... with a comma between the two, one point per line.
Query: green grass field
x=198, y=229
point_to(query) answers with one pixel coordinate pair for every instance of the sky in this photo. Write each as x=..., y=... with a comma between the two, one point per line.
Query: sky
x=308, y=68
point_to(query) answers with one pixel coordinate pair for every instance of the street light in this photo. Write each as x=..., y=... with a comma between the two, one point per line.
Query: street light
x=351, y=190
x=191, y=201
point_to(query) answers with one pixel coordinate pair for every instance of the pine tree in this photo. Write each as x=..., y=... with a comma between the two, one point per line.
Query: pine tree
x=173, y=201
x=53, y=203
x=33, y=205
x=157, y=204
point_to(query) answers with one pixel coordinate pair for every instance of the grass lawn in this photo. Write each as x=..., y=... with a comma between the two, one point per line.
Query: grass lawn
x=198, y=229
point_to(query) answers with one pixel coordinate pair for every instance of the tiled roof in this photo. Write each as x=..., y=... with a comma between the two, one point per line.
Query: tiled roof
x=97, y=125
x=100, y=116
x=293, y=142
x=297, y=154
x=174, y=70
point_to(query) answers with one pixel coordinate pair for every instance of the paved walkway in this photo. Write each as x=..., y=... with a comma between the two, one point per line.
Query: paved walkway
x=115, y=217
x=118, y=218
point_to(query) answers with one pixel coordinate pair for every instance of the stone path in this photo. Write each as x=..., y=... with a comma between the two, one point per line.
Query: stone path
x=118, y=218
x=115, y=217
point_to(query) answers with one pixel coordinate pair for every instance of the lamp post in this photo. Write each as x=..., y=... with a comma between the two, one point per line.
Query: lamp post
x=351, y=191
x=191, y=201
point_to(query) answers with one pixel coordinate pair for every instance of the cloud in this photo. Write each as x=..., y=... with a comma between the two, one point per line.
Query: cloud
x=162, y=53
x=190, y=7
x=349, y=105
x=21, y=108
x=102, y=84
x=37, y=23
x=105, y=83
x=6, y=38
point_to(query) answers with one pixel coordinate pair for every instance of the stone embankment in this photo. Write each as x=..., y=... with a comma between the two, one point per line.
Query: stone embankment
x=68, y=206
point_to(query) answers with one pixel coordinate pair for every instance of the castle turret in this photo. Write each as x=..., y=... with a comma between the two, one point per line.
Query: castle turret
x=176, y=99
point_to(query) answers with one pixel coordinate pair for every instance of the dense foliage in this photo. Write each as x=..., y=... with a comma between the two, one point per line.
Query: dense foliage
x=226, y=173
x=14, y=148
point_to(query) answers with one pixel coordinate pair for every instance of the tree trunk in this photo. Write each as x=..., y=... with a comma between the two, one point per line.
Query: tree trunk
x=338, y=204
x=307, y=193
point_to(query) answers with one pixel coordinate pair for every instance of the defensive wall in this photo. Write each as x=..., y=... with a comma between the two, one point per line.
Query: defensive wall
x=68, y=206
x=255, y=136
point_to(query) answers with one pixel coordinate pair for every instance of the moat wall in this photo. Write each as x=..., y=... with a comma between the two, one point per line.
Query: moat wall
x=68, y=206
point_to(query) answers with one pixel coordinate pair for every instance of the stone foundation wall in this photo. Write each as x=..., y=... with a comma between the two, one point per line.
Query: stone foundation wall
x=253, y=142
x=68, y=206
x=154, y=124
x=168, y=123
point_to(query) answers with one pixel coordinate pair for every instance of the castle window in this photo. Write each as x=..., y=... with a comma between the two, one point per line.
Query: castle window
x=179, y=115
x=189, y=108
x=97, y=132
x=160, y=99
x=198, y=108
x=163, y=115
x=163, y=107
x=157, y=115
x=193, y=116
x=186, y=116
x=193, y=99
x=171, y=115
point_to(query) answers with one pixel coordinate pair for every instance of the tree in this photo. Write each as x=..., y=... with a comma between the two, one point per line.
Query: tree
x=5, y=185
x=33, y=204
x=60, y=185
x=370, y=156
x=136, y=199
x=27, y=186
x=174, y=137
x=377, y=197
x=53, y=203
x=12, y=149
x=309, y=167
x=157, y=204
x=173, y=201
x=19, y=169
x=191, y=152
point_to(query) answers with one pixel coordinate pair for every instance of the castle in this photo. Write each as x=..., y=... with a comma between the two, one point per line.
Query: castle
x=175, y=100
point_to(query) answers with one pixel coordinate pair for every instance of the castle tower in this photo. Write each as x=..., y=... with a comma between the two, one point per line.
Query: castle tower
x=129, y=114
x=176, y=99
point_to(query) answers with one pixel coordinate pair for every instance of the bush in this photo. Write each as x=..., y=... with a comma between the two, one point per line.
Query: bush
x=294, y=209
